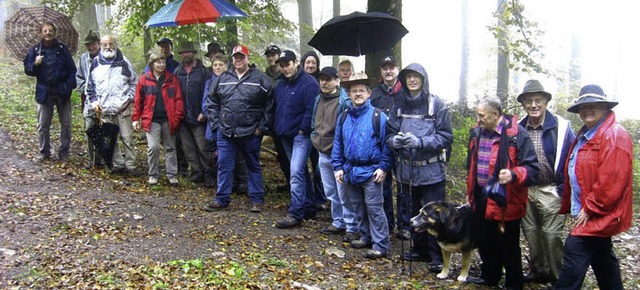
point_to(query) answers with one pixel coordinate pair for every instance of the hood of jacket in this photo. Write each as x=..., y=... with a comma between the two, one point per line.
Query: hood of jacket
x=414, y=67
x=314, y=55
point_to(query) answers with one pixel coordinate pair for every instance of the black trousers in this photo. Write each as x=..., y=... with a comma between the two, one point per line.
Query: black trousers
x=497, y=250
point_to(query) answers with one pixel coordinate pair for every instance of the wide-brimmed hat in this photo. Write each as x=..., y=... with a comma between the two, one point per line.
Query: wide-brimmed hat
x=533, y=86
x=360, y=78
x=213, y=48
x=91, y=37
x=590, y=94
x=187, y=46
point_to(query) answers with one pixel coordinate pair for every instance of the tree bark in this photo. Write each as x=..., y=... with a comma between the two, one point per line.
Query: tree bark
x=393, y=7
x=335, y=60
x=305, y=20
x=87, y=19
x=502, y=88
x=464, y=62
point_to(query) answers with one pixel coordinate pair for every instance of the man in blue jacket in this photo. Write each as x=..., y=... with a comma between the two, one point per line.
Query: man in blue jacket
x=360, y=160
x=295, y=95
x=51, y=63
x=542, y=225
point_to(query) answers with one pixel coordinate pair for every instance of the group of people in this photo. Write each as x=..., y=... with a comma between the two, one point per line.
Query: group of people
x=359, y=133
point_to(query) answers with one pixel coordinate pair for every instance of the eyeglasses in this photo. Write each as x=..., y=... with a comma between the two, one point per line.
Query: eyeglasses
x=536, y=101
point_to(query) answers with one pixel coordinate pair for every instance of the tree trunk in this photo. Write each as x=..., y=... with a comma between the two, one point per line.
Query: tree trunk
x=393, y=7
x=502, y=89
x=335, y=60
x=232, y=27
x=464, y=63
x=86, y=19
x=305, y=18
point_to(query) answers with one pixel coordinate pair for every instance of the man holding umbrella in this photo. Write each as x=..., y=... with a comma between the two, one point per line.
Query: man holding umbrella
x=51, y=63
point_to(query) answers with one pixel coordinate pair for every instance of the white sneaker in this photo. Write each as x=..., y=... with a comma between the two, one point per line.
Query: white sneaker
x=173, y=181
x=152, y=180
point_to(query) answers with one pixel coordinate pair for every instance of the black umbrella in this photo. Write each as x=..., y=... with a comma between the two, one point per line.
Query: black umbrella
x=358, y=33
x=104, y=137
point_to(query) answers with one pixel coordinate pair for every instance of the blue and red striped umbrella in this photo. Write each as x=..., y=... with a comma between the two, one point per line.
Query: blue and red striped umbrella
x=183, y=12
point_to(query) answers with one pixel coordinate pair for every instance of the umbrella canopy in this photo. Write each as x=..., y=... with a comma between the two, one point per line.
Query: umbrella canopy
x=22, y=30
x=183, y=12
x=358, y=33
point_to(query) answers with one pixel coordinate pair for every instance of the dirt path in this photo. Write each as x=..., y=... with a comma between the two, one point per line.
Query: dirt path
x=63, y=226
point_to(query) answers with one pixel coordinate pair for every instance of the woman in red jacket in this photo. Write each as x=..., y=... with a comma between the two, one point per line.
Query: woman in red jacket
x=598, y=192
x=158, y=109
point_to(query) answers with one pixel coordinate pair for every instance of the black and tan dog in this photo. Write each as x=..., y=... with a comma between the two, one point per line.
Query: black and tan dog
x=451, y=225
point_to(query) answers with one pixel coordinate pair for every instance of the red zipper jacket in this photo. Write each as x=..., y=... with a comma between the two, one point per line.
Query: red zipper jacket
x=604, y=170
x=145, y=100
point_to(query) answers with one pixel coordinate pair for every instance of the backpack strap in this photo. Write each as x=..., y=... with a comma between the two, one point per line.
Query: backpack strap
x=375, y=119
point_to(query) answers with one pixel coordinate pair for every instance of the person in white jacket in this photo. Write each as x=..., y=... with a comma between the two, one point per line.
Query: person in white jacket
x=110, y=89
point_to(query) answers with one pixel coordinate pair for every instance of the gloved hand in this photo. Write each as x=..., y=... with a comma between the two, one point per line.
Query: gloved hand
x=411, y=142
x=397, y=141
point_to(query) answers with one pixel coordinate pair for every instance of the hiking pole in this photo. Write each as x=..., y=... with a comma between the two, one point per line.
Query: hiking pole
x=411, y=157
x=400, y=201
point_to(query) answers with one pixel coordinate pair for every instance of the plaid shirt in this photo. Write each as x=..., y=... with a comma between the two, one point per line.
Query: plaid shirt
x=546, y=174
x=487, y=139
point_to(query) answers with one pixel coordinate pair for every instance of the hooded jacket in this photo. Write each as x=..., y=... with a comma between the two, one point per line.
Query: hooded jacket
x=192, y=85
x=145, y=100
x=313, y=54
x=112, y=83
x=238, y=106
x=294, y=100
x=427, y=117
x=604, y=171
x=357, y=149
x=556, y=149
x=522, y=162
x=55, y=75
x=323, y=121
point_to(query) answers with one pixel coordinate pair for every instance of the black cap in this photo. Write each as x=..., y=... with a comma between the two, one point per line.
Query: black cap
x=330, y=71
x=388, y=59
x=286, y=56
x=213, y=48
x=165, y=40
x=272, y=49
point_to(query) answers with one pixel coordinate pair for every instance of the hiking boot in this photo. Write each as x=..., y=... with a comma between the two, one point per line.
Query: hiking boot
x=43, y=158
x=118, y=170
x=403, y=235
x=173, y=181
x=256, y=207
x=214, y=206
x=435, y=266
x=288, y=222
x=350, y=236
x=196, y=177
x=134, y=172
x=374, y=254
x=152, y=180
x=209, y=182
x=331, y=230
x=360, y=243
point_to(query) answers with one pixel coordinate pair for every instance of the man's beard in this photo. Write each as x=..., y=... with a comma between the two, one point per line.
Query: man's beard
x=109, y=53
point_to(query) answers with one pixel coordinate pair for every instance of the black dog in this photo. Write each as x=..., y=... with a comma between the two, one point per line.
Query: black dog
x=451, y=225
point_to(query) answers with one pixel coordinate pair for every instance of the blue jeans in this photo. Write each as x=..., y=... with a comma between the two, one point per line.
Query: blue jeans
x=297, y=150
x=370, y=217
x=579, y=253
x=228, y=149
x=335, y=192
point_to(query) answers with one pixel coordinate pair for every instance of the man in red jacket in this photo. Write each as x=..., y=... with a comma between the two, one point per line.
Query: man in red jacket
x=598, y=192
x=501, y=155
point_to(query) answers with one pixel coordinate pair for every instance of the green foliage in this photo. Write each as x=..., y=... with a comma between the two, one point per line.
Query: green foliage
x=462, y=119
x=264, y=24
x=70, y=7
x=519, y=38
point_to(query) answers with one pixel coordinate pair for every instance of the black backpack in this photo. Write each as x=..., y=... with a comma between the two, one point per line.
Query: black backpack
x=375, y=119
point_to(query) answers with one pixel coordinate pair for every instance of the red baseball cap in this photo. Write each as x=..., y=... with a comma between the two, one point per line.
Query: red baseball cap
x=240, y=49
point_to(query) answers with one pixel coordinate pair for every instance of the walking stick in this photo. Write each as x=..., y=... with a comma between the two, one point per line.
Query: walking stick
x=411, y=157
